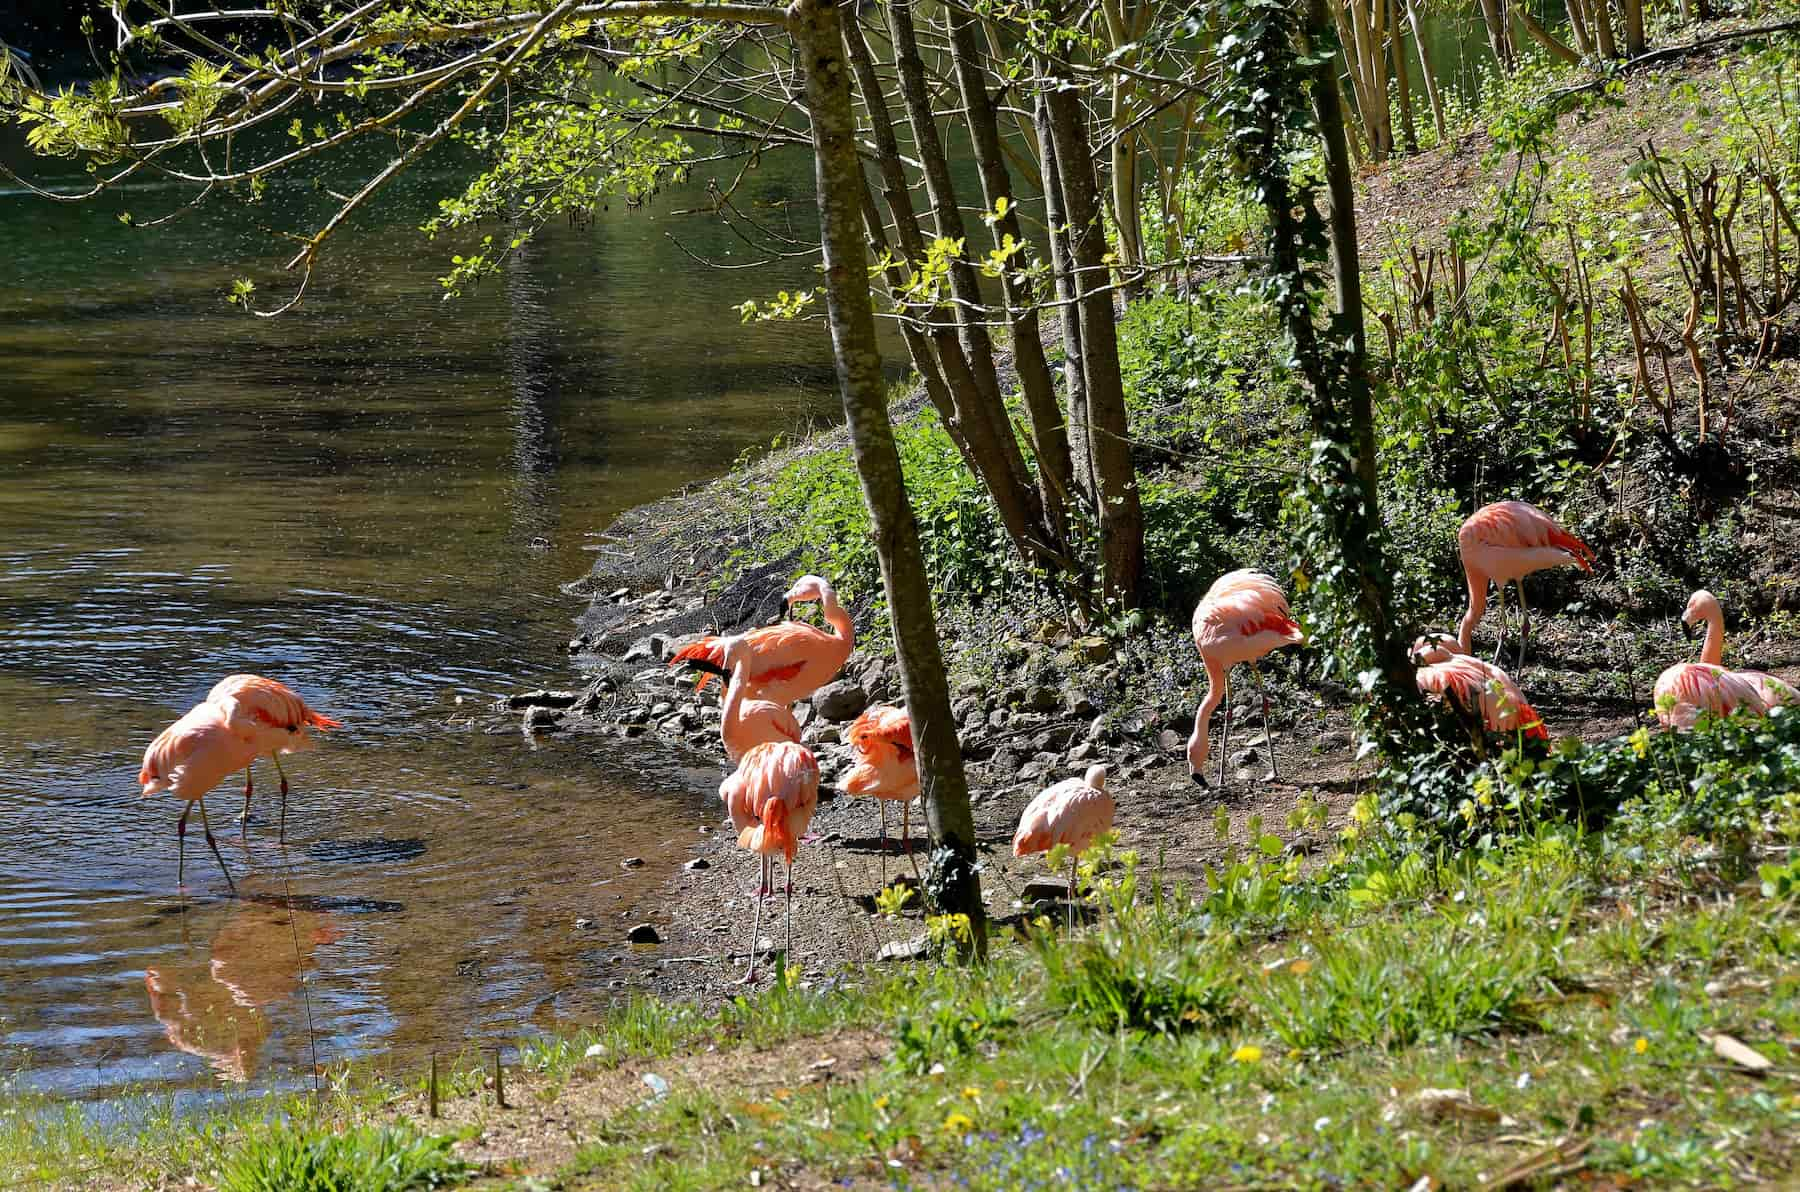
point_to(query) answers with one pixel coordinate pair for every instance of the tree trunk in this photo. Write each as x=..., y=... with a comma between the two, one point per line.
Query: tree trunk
x=1363, y=525
x=1499, y=40
x=1634, y=26
x=981, y=410
x=1050, y=440
x=1409, y=131
x=1578, y=26
x=1119, y=514
x=1603, y=30
x=1546, y=39
x=1067, y=297
x=952, y=885
x=1426, y=70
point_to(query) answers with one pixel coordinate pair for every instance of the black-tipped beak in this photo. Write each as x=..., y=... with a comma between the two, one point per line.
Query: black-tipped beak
x=1687, y=630
x=1199, y=778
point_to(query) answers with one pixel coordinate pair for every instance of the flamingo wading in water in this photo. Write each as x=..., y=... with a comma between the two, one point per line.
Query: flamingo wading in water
x=190, y=758
x=273, y=717
x=1704, y=606
x=789, y=660
x=771, y=798
x=1242, y=617
x=1073, y=812
x=885, y=769
x=1476, y=685
x=1502, y=543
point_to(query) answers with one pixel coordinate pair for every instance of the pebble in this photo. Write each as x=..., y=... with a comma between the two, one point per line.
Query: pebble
x=840, y=701
x=539, y=719
x=697, y=863
x=584, y=925
x=643, y=933
x=631, y=863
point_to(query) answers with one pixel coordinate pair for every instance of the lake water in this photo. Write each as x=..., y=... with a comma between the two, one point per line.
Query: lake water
x=375, y=499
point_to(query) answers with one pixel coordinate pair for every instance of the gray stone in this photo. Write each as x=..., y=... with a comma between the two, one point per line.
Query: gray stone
x=543, y=720
x=1245, y=757
x=644, y=649
x=1039, y=889
x=965, y=708
x=830, y=734
x=584, y=925
x=1094, y=649
x=618, y=594
x=976, y=749
x=1171, y=741
x=842, y=700
x=636, y=715
x=631, y=863
x=1083, y=752
x=1055, y=738
x=661, y=708
x=643, y=933
x=916, y=948
x=1041, y=698
x=1334, y=738
x=997, y=718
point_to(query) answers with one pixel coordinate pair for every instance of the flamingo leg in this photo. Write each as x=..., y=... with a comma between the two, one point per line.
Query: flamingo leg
x=906, y=839
x=1524, y=622
x=1499, y=621
x=1071, y=903
x=276, y=758
x=883, y=806
x=214, y=845
x=1268, y=735
x=181, y=845
x=756, y=924
x=1225, y=738
x=787, y=947
x=245, y=817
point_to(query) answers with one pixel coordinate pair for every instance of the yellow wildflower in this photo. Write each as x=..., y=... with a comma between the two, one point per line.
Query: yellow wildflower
x=1641, y=1046
x=959, y=1123
x=1249, y=1053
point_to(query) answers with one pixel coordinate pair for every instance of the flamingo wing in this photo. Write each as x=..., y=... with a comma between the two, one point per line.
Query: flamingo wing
x=778, y=785
x=1071, y=813
x=194, y=754
x=1519, y=525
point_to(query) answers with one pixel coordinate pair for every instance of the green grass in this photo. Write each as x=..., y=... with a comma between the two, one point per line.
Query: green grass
x=365, y=1159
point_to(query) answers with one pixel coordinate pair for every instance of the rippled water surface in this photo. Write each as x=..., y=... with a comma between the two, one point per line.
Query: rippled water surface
x=374, y=499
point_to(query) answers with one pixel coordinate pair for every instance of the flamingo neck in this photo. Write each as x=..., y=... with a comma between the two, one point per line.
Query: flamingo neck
x=1465, y=629
x=733, y=703
x=838, y=617
x=1713, y=650
x=1199, y=744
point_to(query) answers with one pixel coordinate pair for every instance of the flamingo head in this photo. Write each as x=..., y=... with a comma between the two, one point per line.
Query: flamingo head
x=1700, y=606
x=810, y=587
x=1096, y=777
x=1197, y=749
x=1434, y=647
x=734, y=652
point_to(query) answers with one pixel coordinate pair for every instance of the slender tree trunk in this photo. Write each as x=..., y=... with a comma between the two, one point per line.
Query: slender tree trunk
x=1347, y=327
x=1578, y=26
x=1119, y=514
x=980, y=408
x=1499, y=40
x=952, y=885
x=1603, y=30
x=1634, y=26
x=1546, y=39
x=1426, y=70
x=1062, y=263
x=1409, y=131
x=1050, y=440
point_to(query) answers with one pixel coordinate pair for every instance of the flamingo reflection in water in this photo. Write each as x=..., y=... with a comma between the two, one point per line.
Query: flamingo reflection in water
x=216, y=1009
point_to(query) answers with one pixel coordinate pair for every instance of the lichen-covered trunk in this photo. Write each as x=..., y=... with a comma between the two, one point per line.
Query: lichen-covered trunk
x=1119, y=514
x=952, y=884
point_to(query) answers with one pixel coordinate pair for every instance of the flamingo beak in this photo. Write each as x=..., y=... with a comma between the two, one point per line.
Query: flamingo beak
x=1687, y=629
x=1201, y=779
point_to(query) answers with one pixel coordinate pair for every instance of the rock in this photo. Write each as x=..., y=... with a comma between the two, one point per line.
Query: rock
x=584, y=925
x=1100, y=731
x=643, y=933
x=1093, y=650
x=655, y=674
x=636, y=715
x=1245, y=757
x=830, y=734
x=976, y=749
x=697, y=863
x=842, y=700
x=1079, y=703
x=1246, y=774
x=618, y=594
x=1083, y=752
x=1007, y=762
x=576, y=645
x=997, y=718
x=913, y=949
x=875, y=672
x=661, y=708
x=1036, y=769
x=542, y=720
x=1041, y=698
x=632, y=730
x=1334, y=738
x=1171, y=741
x=631, y=863
x=644, y=649
x=965, y=708
x=804, y=713
x=1039, y=889
x=1054, y=739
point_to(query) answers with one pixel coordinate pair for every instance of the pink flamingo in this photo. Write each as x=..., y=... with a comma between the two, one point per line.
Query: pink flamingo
x=1503, y=543
x=886, y=769
x=1072, y=813
x=1688, y=689
x=789, y=660
x=274, y=718
x=772, y=797
x=1475, y=685
x=1704, y=606
x=745, y=723
x=189, y=758
x=1242, y=617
